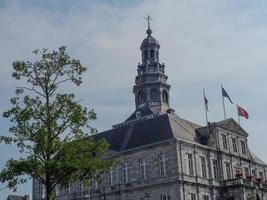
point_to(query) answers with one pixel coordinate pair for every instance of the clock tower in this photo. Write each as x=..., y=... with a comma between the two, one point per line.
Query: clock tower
x=151, y=89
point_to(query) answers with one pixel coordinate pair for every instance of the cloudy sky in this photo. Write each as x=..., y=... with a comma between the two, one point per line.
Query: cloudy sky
x=203, y=44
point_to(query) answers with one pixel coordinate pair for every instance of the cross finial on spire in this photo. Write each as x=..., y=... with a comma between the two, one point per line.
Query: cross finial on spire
x=148, y=18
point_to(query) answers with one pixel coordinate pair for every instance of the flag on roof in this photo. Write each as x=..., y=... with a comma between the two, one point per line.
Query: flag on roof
x=242, y=112
x=224, y=94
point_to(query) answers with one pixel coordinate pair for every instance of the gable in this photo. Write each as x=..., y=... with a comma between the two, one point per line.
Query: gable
x=232, y=125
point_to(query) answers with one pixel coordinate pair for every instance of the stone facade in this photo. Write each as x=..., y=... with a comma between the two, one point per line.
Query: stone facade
x=161, y=156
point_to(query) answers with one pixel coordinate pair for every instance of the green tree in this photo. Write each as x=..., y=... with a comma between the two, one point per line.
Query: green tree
x=51, y=128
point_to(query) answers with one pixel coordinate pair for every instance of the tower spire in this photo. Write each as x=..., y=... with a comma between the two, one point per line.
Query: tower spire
x=151, y=88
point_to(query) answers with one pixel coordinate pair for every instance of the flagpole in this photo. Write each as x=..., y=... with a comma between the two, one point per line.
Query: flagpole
x=223, y=104
x=238, y=114
x=206, y=113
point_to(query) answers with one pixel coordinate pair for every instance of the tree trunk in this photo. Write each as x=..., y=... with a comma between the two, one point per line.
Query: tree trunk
x=49, y=193
x=49, y=196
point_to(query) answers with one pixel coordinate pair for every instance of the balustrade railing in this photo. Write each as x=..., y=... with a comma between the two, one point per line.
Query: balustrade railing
x=245, y=182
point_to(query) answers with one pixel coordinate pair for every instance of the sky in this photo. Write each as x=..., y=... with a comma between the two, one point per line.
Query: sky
x=203, y=44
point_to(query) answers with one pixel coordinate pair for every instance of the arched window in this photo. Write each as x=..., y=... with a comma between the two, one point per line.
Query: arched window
x=152, y=54
x=153, y=95
x=145, y=54
x=165, y=97
x=141, y=97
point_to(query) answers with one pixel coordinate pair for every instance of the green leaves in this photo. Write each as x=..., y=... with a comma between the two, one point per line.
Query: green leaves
x=49, y=127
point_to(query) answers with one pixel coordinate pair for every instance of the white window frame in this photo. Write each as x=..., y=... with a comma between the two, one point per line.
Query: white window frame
x=190, y=164
x=215, y=169
x=205, y=197
x=162, y=164
x=261, y=175
x=243, y=147
x=224, y=141
x=191, y=196
x=95, y=183
x=234, y=144
x=110, y=177
x=228, y=170
x=142, y=168
x=165, y=197
x=124, y=172
x=203, y=166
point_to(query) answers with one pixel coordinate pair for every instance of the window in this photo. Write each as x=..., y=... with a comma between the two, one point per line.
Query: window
x=215, y=169
x=79, y=186
x=218, y=197
x=153, y=95
x=205, y=197
x=253, y=172
x=110, y=177
x=162, y=164
x=164, y=96
x=203, y=167
x=95, y=183
x=261, y=175
x=152, y=54
x=66, y=190
x=165, y=197
x=124, y=172
x=228, y=171
x=141, y=97
x=246, y=171
x=191, y=196
x=190, y=164
x=243, y=147
x=145, y=54
x=142, y=166
x=234, y=144
x=224, y=141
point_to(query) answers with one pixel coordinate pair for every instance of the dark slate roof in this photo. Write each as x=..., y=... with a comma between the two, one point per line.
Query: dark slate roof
x=148, y=131
x=144, y=112
x=149, y=41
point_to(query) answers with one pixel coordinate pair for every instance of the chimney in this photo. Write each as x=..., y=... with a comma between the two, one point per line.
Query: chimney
x=27, y=197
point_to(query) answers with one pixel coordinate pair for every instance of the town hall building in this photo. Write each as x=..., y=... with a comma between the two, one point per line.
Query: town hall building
x=161, y=156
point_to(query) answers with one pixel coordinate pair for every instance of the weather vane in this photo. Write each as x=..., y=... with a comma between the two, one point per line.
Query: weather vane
x=148, y=19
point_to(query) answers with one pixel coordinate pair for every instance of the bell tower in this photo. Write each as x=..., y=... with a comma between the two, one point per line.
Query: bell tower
x=151, y=89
